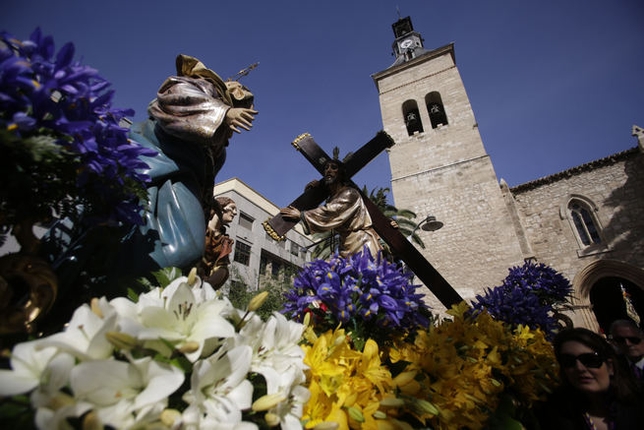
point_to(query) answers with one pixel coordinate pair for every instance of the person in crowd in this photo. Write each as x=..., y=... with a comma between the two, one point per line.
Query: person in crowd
x=627, y=338
x=595, y=392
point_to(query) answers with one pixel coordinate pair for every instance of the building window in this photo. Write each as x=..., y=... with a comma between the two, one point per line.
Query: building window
x=276, y=267
x=411, y=116
x=242, y=253
x=246, y=221
x=295, y=248
x=436, y=110
x=584, y=222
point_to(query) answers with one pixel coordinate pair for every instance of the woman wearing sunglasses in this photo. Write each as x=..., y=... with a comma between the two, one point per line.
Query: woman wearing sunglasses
x=595, y=393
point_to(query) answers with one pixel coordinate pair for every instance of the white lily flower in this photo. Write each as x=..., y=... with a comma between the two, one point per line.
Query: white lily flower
x=31, y=366
x=123, y=393
x=276, y=352
x=278, y=357
x=84, y=336
x=55, y=416
x=192, y=319
x=211, y=423
x=290, y=411
x=219, y=388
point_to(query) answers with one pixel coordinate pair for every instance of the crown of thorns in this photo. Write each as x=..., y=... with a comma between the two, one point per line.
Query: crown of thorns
x=336, y=156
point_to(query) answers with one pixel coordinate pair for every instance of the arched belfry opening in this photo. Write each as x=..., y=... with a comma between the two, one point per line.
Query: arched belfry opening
x=435, y=108
x=411, y=116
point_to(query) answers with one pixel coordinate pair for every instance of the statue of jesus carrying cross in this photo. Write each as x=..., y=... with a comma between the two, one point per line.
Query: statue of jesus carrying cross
x=344, y=212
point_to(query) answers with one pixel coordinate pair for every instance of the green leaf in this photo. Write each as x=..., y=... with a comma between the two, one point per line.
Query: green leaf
x=132, y=295
x=166, y=275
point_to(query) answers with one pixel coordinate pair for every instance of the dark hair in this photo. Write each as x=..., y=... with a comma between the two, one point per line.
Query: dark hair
x=624, y=323
x=622, y=384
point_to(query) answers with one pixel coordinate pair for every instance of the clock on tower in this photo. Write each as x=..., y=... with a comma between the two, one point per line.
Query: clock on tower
x=407, y=40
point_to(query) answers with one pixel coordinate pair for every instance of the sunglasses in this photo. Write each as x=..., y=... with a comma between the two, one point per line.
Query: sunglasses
x=622, y=340
x=590, y=359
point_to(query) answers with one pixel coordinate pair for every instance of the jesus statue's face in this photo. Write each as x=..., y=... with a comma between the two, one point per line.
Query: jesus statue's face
x=331, y=173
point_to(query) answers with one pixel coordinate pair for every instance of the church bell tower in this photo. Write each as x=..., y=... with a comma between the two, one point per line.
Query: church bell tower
x=439, y=166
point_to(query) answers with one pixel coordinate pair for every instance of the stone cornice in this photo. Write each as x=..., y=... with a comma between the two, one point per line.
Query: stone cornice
x=449, y=48
x=602, y=162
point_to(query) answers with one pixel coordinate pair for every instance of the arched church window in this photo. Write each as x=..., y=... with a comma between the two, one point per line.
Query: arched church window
x=585, y=222
x=436, y=109
x=411, y=116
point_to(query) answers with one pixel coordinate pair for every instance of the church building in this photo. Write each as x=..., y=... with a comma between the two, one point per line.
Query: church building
x=586, y=222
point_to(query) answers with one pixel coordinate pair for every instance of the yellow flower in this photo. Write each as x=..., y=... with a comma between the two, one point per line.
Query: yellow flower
x=346, y=385
x=453, y=374
x=317, y=408
x=339, y=417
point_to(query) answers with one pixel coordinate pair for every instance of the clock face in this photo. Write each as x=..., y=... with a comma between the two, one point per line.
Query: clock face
x=406, y=43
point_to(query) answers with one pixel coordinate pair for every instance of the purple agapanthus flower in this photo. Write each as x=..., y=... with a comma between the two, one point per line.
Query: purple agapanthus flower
x=61, y=139
x=363, y=293
x=527, y=296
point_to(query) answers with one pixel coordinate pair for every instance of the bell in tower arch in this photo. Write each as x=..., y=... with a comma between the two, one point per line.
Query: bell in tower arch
x=436, y=110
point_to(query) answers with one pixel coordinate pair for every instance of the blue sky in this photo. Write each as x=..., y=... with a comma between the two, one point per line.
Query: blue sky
x=553, y=84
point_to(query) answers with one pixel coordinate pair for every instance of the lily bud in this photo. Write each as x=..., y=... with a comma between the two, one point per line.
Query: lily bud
x=355, y=414
x=404, y=378
x=192, y=277
x=60, y=400
x=426, y=407
x=392, y=402
x=257, y=301
x=379, y=415
x=307, y=319
x=91, y=421
x=188, y=347
x=268, y=401
x=272, y=420
x=169, y=417
x=339, y=340
x=121, y=340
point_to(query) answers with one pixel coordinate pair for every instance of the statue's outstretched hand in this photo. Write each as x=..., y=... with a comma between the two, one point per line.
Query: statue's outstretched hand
x=240, y=118
x=290, y=213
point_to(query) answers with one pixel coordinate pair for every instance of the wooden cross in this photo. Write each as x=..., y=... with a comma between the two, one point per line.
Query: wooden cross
x=400, y=246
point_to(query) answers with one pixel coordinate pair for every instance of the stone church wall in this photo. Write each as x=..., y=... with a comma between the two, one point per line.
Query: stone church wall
x=615, y=186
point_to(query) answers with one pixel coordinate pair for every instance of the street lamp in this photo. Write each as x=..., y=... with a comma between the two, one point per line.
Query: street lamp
x=428, y=224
